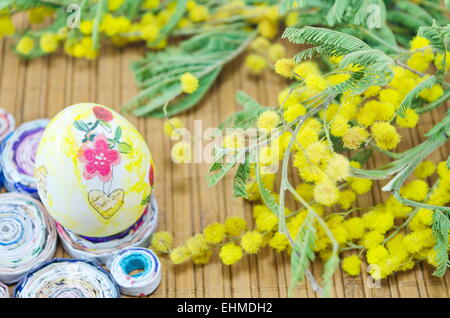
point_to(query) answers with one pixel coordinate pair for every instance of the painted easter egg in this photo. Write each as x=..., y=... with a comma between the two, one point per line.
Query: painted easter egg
x=94, y=171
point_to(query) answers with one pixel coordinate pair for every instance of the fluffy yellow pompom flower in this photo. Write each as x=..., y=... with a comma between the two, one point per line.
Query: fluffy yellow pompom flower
x=6, y=26
x=279, y=242
x=260, y=45
x=150, y=32
x=268, y=120
x=230, y=254
x=372, y=239
x=268, y=28
x=171, y=125
x=425, y=169
x=432, y=94
x=326, y=192
x=181, y=152
x=346, y=199
x=86, y=27
x=276, y=51
x=266, y=221
x=386, y=136
x=411, y=119
x=251, y=241
x=419, y=42
x=360, y=185
x=235, y=225
x=179, y=255
x=354, y=137
x=376, y=254
x=114, y=5
x=306, y=68
x=202, y=258
x=150, y=4
x=338, y=168
x=293, y=112
x=415, y=190
x=339, y=126
x=198, y=13
x=317, y=82
x=25, y=45
x=256, y=63
x=161, y=242
x=214, y=233
x=285, y=67
x=189, y=83
x=49, y=42
x=355, y=227
x=439, y=61
x=197, y=245
x=352, y=265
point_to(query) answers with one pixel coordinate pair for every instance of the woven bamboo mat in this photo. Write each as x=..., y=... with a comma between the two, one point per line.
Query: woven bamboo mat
x=43, y=87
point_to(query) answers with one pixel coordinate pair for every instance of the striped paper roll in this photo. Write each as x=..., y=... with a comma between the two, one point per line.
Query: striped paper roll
x=18, y=157
x=98, y=250
x=136, y=270
x=4, y=293
x=27, y=235
x=67, y=278
x=7, y=124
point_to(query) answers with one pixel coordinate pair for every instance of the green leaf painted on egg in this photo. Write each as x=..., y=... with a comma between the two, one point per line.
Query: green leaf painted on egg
x=123, y=147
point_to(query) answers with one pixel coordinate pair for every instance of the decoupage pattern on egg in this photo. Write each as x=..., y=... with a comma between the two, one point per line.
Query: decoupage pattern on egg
x=94, y=171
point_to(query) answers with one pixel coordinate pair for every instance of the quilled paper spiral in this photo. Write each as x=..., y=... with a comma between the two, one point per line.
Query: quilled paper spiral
x=137, y=271
x=7, y=124
x=27, y=235
x=98, y=250
x=67, y=278
x=4, y=293
x=18, y=157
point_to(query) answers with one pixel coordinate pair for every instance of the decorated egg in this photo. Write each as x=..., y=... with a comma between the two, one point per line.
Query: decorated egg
x=94, y=171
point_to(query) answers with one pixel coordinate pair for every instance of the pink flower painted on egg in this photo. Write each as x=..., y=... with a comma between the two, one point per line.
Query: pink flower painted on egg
x=99, y=160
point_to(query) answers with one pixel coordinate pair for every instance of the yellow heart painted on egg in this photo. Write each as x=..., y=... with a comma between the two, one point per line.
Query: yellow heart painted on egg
x=106, y=205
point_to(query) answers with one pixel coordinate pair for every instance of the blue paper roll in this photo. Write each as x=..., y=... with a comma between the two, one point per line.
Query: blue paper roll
x=18, y=157
x=136, y=270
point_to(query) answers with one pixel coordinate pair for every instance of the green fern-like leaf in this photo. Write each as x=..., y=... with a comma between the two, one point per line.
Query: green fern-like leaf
x=441, y=228
x=240, y=180
x=409, y=98
x=302, y=252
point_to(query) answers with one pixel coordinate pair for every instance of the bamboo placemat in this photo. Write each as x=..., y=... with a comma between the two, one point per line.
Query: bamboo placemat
x=43, y=87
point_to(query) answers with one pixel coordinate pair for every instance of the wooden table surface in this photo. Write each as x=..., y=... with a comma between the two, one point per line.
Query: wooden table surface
x=42, y=87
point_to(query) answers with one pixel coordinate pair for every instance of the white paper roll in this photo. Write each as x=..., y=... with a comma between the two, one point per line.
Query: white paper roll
x=98, y=250
x=67, y=278
x=136, y=270
x=4, y=293
x=27, y=235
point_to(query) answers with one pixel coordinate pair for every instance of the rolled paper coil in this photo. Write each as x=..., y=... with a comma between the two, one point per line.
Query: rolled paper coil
x=67, y=278
x=7, y=124
x=137, y=271
x=27, y=235
x=4, y=293
x=18, y=157
x=98, y=250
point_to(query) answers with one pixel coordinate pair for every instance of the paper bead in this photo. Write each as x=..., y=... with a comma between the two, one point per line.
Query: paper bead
x=7, y=124
x=67, y=278
x=98, y=250
x=27, y=235
x=4, y=293
x=18, y=157
x=147, y=277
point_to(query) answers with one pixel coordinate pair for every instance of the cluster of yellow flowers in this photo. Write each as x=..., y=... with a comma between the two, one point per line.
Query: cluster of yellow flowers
x=122, y=29
x=393, y=236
